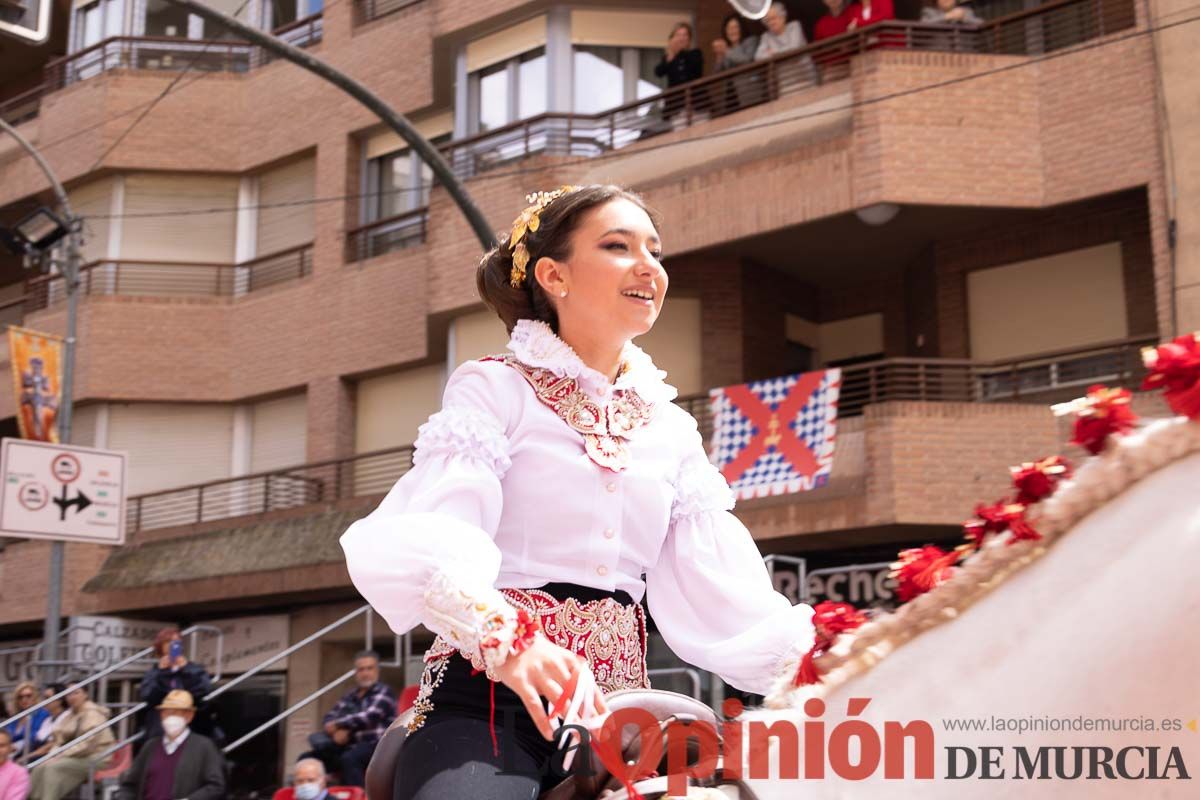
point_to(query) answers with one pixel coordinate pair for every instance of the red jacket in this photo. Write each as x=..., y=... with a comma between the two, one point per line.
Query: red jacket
x=880, y=11
x=830, y=25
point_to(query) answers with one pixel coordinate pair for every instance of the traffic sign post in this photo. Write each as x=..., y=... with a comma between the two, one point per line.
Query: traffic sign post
x=62, y=492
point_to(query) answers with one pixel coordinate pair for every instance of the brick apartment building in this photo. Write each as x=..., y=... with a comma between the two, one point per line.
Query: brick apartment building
x=973, y=223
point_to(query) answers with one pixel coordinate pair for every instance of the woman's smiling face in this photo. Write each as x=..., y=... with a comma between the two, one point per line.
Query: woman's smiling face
x=614, y=278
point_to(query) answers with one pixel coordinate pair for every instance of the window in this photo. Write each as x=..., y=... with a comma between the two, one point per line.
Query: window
x=399, y=182
x=508, y=91
x=607, y=77
x=166, y=19
x=279, y=13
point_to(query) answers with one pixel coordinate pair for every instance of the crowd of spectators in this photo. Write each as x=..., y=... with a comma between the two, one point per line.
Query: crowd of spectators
x=743, y=42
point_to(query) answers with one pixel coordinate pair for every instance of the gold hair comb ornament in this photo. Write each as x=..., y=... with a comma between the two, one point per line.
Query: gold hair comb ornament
x=529, y=221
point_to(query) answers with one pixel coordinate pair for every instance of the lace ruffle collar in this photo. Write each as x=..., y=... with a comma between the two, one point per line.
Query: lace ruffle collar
x=535, y=344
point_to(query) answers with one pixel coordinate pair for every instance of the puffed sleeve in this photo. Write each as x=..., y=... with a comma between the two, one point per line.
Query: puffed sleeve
x=427, y=553
x=710, y=593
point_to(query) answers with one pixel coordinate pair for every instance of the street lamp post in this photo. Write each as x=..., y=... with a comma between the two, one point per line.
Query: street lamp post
x=70, y=271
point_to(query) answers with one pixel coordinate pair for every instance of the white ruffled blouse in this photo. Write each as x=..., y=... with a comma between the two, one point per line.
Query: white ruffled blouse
x=502, y=495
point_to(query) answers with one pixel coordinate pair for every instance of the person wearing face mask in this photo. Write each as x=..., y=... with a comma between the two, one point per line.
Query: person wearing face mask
x=179, y=765
x=308, y=780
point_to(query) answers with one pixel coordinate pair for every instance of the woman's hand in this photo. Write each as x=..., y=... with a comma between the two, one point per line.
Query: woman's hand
x=543, y=670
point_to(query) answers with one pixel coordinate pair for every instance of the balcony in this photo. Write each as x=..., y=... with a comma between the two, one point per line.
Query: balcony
x=383, y=236
x=1037, y=381
x=1050, y=27
x=173, y=279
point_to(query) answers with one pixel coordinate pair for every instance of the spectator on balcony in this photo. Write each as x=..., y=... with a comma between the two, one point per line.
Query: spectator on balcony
x=173, y=671
x=949, y=12
x=178, y=764
x=681, y=63
x=874, y=12
x=14, y=779
x=31, y=733
x=780, y=37
x=837, y=21
x=355, y=725
x=58, y=777
x=733, y=49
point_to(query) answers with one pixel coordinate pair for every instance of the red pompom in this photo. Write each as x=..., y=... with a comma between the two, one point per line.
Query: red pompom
x=1175, y=368
x=921, y=569
x=1037, y=480
x=1101, y=414
x=829, y=619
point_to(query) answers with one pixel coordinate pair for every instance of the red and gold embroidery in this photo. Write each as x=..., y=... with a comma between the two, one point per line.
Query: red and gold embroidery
x=610, y=635
x=604, y=427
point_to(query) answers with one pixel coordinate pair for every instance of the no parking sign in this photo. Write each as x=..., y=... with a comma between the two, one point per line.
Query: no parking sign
x=62, y=492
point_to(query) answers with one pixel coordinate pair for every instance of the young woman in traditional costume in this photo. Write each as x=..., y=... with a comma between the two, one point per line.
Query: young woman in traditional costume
x=557, y=486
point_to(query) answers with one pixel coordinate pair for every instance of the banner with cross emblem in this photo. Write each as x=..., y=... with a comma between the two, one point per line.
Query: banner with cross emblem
x=776, y=436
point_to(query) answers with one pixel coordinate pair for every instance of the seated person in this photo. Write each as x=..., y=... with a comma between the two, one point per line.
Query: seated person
x=58, y=777
x=308, y=780
x=356, y=724
x=31, y=733
x=178, y=764
x=14, y=779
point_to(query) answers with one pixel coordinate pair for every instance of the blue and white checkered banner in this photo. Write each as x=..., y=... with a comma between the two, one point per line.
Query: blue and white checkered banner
x=776, y=436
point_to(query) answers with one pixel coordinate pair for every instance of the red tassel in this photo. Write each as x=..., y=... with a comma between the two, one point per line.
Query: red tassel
x=625, y=779
x=807, y=675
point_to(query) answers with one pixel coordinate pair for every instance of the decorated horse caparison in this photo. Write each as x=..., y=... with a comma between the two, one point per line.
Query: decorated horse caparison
x=1053, y=654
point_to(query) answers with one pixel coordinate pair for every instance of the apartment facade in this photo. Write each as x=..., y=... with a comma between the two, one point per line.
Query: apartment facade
x=972, y=223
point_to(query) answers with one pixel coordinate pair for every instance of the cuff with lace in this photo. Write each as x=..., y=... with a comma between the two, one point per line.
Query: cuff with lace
x=482, y=624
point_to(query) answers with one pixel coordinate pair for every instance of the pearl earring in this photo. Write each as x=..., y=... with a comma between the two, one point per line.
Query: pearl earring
x=563, y=293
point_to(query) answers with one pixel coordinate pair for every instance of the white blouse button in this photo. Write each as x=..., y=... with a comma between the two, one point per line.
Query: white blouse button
x=612, y=487
x=609, y=533
x=601, y=570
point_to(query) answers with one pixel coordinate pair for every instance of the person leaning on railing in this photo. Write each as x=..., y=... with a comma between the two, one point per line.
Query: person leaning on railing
x=733, y=49
x=782, y=36
x=54, y=779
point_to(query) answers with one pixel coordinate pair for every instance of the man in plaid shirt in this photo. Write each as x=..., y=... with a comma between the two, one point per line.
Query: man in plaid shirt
x=354, y=726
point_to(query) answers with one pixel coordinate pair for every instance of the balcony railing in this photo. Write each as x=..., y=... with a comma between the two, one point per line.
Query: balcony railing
x=322, y=482
x=173, y=279
x=368, y=10
x=394, y=233
x=1050, y=27
x=174, y=53
x=1042, y=378
x=22, y=107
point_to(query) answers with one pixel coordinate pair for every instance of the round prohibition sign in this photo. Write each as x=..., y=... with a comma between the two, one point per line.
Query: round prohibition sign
x=65, y=467
x=33, y=496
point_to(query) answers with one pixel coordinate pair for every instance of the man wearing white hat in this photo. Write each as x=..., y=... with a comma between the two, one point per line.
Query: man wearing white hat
x=179, y=765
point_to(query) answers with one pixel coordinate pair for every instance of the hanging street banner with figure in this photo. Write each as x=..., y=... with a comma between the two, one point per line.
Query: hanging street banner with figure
x=776, y=436
x=37, y=380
